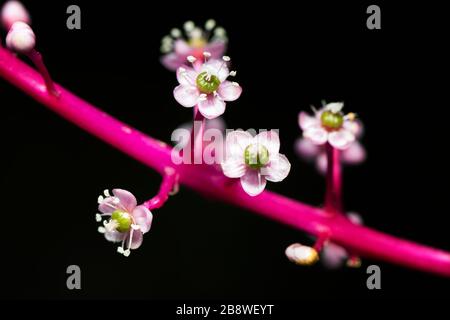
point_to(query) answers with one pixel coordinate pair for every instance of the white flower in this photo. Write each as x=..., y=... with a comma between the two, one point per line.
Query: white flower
x=254, y=160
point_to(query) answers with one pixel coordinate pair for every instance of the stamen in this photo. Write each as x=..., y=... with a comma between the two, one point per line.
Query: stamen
x=126, y=253
x=166, y=39
x=188, y=26
x=233, y=73
x=101, y=229
x=225, y=60
x=210, y=24
x=202, y=97
x=235, y=84
x=100, y=199
x=106, y=193
x=207, y=55
x=219, y=32
x=135, y=226
x=350, y=116
x=120, y=250
x=98, y=217
x=175, y=32
x=116, y=200
x=191, y=59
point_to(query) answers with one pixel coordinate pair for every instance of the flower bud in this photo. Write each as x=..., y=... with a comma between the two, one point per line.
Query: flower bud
x=13, y=11
x=20, y=37
x=302, y=255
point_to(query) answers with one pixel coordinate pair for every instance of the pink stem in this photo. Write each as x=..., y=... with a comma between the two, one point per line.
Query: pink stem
x=321, y=240
x=198, y=130
x=211, y=182
x=168, y=184
x=333, y=195
x=37, y=60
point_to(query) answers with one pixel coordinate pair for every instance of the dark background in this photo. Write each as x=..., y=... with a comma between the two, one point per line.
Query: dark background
x=288, y=56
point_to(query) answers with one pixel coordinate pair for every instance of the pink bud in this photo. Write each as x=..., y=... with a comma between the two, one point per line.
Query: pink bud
x=20, y=37
x=13, y=11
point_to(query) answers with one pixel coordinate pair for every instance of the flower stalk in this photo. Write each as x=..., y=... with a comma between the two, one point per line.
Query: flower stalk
x=169, y=186
x=333, y=193
x=36, y=57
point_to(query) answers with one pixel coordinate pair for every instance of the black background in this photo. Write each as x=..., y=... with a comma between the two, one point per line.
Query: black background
x=288, y=56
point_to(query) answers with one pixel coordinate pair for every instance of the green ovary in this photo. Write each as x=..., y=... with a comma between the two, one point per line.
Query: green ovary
x=123, y=220
x=256, y=156
x=207, y=83
x=332, y=121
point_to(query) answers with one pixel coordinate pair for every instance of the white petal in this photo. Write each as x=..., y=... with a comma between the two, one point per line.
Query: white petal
x=253, y=182
x=187, y=96
x=277, y=169
x=212, y=107
x=316, y=134
x=114, y=236
x=236, y=142
x=229, y=91
x=270, y=140
x=186, y=76
x=354, y=154
x=305, y=120
x=234, y=167
x=306, y=149
x=341, y=139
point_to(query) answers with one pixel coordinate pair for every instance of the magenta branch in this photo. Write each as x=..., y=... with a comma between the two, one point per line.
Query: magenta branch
x=156, y=155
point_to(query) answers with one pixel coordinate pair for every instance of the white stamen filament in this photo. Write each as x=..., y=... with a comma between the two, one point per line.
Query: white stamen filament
x=111, y=225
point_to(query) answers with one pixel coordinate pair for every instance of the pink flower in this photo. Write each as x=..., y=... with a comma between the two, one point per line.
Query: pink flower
x=127, y=221
x=177, y=47
x=330, y=125
x=333, y=255
x=309, y=151
x=13, y=11
x=206, y=85
x=254, y=160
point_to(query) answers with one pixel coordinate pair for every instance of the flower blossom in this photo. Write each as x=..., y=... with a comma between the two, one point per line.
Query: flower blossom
x=254, y=160
x=354, y=154
x=177, y=47
x=329, y=124
x=126, y=223
x=206, y=85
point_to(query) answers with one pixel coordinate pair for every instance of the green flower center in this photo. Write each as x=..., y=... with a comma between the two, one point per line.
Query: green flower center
x=123, y=220
x=207, y=83
x=332, y=121
x=256, y=156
